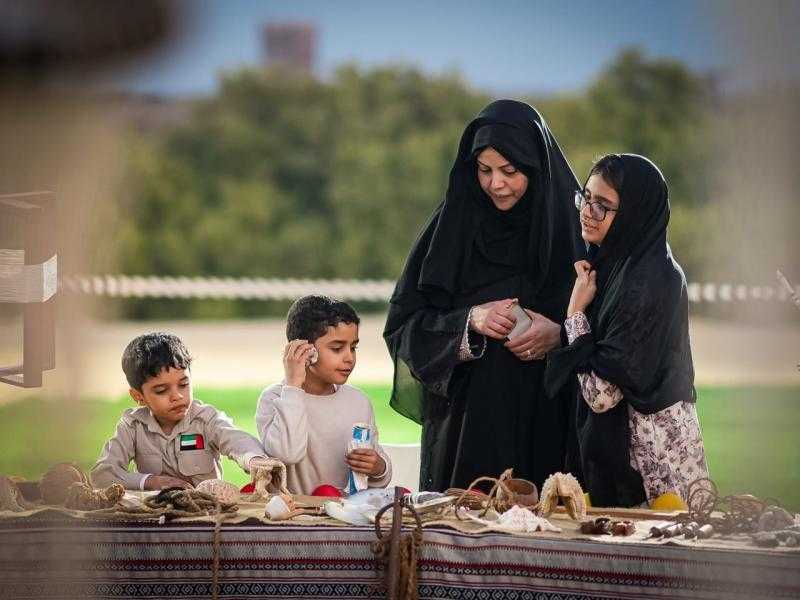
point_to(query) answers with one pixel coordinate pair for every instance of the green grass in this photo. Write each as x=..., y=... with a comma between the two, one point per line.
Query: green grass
x=751, y=434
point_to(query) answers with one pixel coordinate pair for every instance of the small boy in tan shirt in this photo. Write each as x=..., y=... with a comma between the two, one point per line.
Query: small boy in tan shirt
x=174, y=440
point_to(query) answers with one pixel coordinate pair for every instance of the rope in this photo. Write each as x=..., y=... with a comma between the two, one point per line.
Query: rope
x=173, y=503
x=215, y=553
x=500, y=497
x=409, y=545
x=376, y=290
x=735, y=513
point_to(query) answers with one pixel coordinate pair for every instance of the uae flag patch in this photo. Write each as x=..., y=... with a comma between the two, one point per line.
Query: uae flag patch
x=192, y=441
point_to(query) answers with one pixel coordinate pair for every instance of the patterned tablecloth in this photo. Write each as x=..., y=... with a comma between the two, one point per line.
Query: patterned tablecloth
x=63, y=558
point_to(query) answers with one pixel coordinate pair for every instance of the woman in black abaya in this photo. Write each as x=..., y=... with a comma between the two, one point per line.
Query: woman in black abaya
x=505, y=232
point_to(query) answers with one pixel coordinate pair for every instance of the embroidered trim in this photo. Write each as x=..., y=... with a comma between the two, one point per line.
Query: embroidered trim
x=467, y=351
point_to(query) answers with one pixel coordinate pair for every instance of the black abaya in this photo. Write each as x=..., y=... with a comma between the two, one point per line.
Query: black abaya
x=639, y=338
x=482, y=416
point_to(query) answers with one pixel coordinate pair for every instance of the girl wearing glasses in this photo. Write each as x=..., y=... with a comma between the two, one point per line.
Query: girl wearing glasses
x=627, y=324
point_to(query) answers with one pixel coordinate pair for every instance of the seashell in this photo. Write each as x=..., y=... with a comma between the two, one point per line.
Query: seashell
x=773, y=518
x=623, y=528
x=10, y=496
x=523, y=493
x=225, y=492
x=56, y=482
x=562, y=486
x=280, y=507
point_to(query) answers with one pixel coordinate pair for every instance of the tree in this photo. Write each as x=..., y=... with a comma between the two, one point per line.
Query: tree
x=282, y=175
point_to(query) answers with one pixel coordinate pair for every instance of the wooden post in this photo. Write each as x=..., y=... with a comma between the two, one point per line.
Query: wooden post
x=38, y=213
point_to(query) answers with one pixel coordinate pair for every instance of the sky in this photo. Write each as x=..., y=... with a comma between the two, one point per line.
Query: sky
x=515, y=46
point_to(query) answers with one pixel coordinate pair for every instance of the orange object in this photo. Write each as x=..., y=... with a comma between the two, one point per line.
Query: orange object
x=668, y=501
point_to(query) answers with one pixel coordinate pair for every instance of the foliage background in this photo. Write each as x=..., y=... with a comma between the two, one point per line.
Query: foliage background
x=280, y=175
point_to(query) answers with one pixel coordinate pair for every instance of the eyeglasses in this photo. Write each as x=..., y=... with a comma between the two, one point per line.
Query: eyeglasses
x=596, y=210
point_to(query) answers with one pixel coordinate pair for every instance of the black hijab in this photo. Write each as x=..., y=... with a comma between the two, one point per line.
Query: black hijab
x=468, y=243
x=639, y=336
x=468, y=221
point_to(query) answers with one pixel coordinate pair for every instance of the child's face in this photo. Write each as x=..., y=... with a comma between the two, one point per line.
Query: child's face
x=597, y=190
x=336, y=353
x=168, y=395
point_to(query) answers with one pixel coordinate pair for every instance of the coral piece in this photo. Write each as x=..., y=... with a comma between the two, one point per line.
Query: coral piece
x=225, y=492
x=81, y=496
x=10, y=496
x=268, y=474
x=56, y=482
x=518, y=518
x=564, y=487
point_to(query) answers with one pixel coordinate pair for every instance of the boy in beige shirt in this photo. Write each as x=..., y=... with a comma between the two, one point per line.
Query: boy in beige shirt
x=306, y=421
x=174, y=440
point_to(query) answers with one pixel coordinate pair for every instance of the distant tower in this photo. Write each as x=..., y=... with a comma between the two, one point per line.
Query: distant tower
x=291, y=44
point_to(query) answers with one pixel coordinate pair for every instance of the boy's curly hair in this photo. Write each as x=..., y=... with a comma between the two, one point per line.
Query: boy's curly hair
x=146, y=355
x=310, y=316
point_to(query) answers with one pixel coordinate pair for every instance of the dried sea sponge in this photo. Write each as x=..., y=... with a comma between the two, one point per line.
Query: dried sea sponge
x=81, y=496
x=563, y=486
x=55, y=483
x=225, y=492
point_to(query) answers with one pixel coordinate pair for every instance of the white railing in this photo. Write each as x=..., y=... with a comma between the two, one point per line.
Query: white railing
x=126, y=286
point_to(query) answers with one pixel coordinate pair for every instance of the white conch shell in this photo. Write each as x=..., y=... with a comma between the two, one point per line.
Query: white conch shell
x=567, y=488
x=280, y=507
x=225, y=492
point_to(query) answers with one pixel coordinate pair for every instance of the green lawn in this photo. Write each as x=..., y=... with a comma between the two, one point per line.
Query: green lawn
x=751, y=434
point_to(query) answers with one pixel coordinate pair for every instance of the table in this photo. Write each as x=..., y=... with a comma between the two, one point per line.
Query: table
x=57, y=557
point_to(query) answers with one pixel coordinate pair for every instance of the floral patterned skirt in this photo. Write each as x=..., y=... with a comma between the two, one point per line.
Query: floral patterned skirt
x=667, y=449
